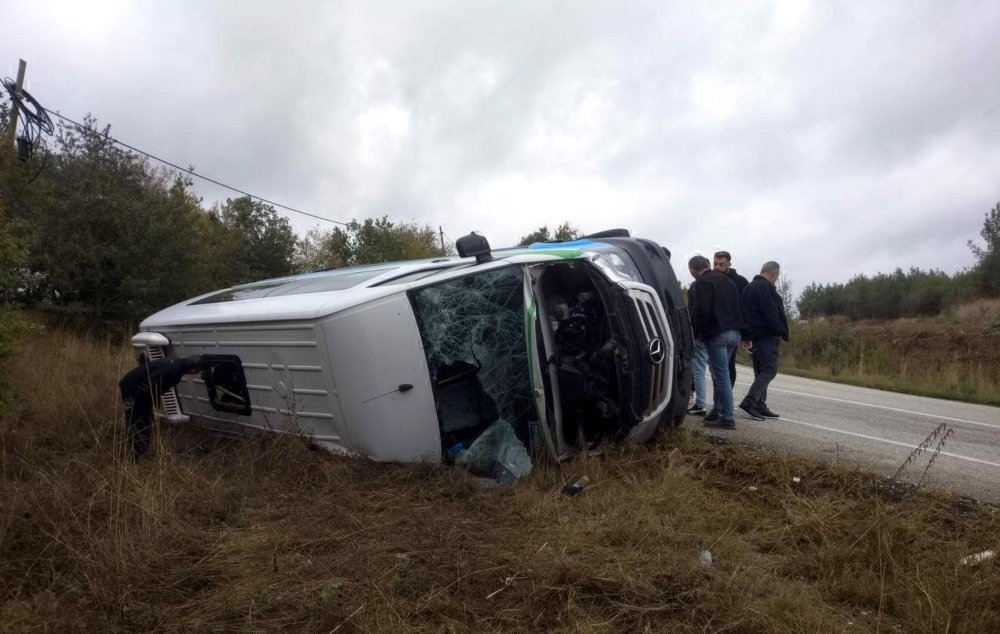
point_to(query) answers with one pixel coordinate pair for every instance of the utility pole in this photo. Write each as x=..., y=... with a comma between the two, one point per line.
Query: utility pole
x=441, y=232
x=12, y=123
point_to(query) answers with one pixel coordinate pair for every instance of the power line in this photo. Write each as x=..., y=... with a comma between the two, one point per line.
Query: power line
x=189, y=171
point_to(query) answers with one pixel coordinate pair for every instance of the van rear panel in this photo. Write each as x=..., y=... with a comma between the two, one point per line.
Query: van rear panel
x=288, y=377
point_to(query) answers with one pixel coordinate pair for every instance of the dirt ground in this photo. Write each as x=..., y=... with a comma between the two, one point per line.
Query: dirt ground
x=268, y=534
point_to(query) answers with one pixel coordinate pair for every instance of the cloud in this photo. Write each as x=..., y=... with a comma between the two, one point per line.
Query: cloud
x=836, y=138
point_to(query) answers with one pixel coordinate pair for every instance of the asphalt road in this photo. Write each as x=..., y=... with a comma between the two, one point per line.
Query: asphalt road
x=876, y=430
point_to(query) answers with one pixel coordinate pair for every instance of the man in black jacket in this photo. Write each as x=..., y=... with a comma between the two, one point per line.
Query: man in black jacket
x=140, y=388
x=717, y=320
x=765, y=315
x=722, y=262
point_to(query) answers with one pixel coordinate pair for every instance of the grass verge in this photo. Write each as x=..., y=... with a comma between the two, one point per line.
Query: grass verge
x=266, y=534
x=954, y=356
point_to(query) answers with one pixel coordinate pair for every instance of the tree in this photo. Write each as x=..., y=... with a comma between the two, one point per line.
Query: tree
x=114, y=238
x=24, y=188
x=258, y=242
x=102, y=241
x=98, y=232
x=563, y=233
x=987, y=269
x=12, y=253
x=886, y=296
x=368, y=242
x=990, y=233
x=313, y=252
x=784, y=288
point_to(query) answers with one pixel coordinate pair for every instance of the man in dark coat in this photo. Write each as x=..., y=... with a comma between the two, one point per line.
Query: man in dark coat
x=722, y=262
x=765, y=316
x=717, y=320
x=141, y=387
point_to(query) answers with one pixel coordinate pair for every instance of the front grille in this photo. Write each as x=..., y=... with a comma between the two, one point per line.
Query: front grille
x=651, y=328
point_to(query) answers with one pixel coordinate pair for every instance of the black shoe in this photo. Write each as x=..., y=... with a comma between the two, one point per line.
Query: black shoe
x=712, y=417
x=694, y=410
x=765, y=412
x=721, y=423
x=750, y=410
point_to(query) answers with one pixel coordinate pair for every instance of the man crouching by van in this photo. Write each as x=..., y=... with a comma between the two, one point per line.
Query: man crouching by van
x=141, y=387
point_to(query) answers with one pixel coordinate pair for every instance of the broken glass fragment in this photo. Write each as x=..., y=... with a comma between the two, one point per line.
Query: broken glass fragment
x=497, y=454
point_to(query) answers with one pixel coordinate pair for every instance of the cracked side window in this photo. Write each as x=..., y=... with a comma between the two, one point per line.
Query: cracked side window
x=473, y=334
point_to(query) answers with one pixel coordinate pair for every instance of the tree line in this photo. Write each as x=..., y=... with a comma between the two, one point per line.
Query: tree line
x=99, y=233
x=913, y=293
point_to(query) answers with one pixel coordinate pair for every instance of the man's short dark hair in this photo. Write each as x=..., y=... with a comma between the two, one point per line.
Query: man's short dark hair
x=699, y=263
x=724, y=254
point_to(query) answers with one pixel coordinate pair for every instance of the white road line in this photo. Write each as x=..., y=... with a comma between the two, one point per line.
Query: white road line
x=886, y=440
x=894, y=409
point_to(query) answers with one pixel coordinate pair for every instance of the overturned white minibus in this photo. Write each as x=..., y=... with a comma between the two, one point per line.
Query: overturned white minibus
x=572, y=343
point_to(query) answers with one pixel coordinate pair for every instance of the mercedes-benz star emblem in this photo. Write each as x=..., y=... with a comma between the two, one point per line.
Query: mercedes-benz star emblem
x=656, y=351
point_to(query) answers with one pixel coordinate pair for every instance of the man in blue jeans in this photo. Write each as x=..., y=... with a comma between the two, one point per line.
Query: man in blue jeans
x=717, y=320
x=722, y=262
x=699, y=363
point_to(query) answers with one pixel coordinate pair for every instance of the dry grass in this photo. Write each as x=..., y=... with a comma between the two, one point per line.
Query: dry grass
x=266, y=534
x=954, y=356
x=981, y=310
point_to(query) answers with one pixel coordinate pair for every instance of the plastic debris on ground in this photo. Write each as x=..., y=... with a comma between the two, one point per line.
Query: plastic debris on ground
x=497, y=454
x=705, y=558
x=577, y=487
x=674, y=457
x=453, y=453
x=978, y=558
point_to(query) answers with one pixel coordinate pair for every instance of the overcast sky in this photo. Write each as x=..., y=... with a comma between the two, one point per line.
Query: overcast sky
x=837, y=138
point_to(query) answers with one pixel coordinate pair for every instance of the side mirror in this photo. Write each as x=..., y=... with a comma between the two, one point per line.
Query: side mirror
x=474, y=245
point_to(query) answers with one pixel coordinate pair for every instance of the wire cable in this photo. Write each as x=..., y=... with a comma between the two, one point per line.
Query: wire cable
x=189, y=171
x=35, y=115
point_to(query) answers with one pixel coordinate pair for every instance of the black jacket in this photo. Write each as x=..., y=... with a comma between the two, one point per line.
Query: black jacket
x=740, y=281
x=715, y=306
x=764, y=310
x=154, y=377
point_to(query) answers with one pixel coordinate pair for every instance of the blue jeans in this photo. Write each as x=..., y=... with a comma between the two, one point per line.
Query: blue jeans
x=720, y=348
x=699, y=363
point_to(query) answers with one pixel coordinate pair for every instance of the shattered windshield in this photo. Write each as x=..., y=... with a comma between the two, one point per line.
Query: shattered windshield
x=475, y=325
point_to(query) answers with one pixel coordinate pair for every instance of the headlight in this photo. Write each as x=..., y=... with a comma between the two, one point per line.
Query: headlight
x=616, y=268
